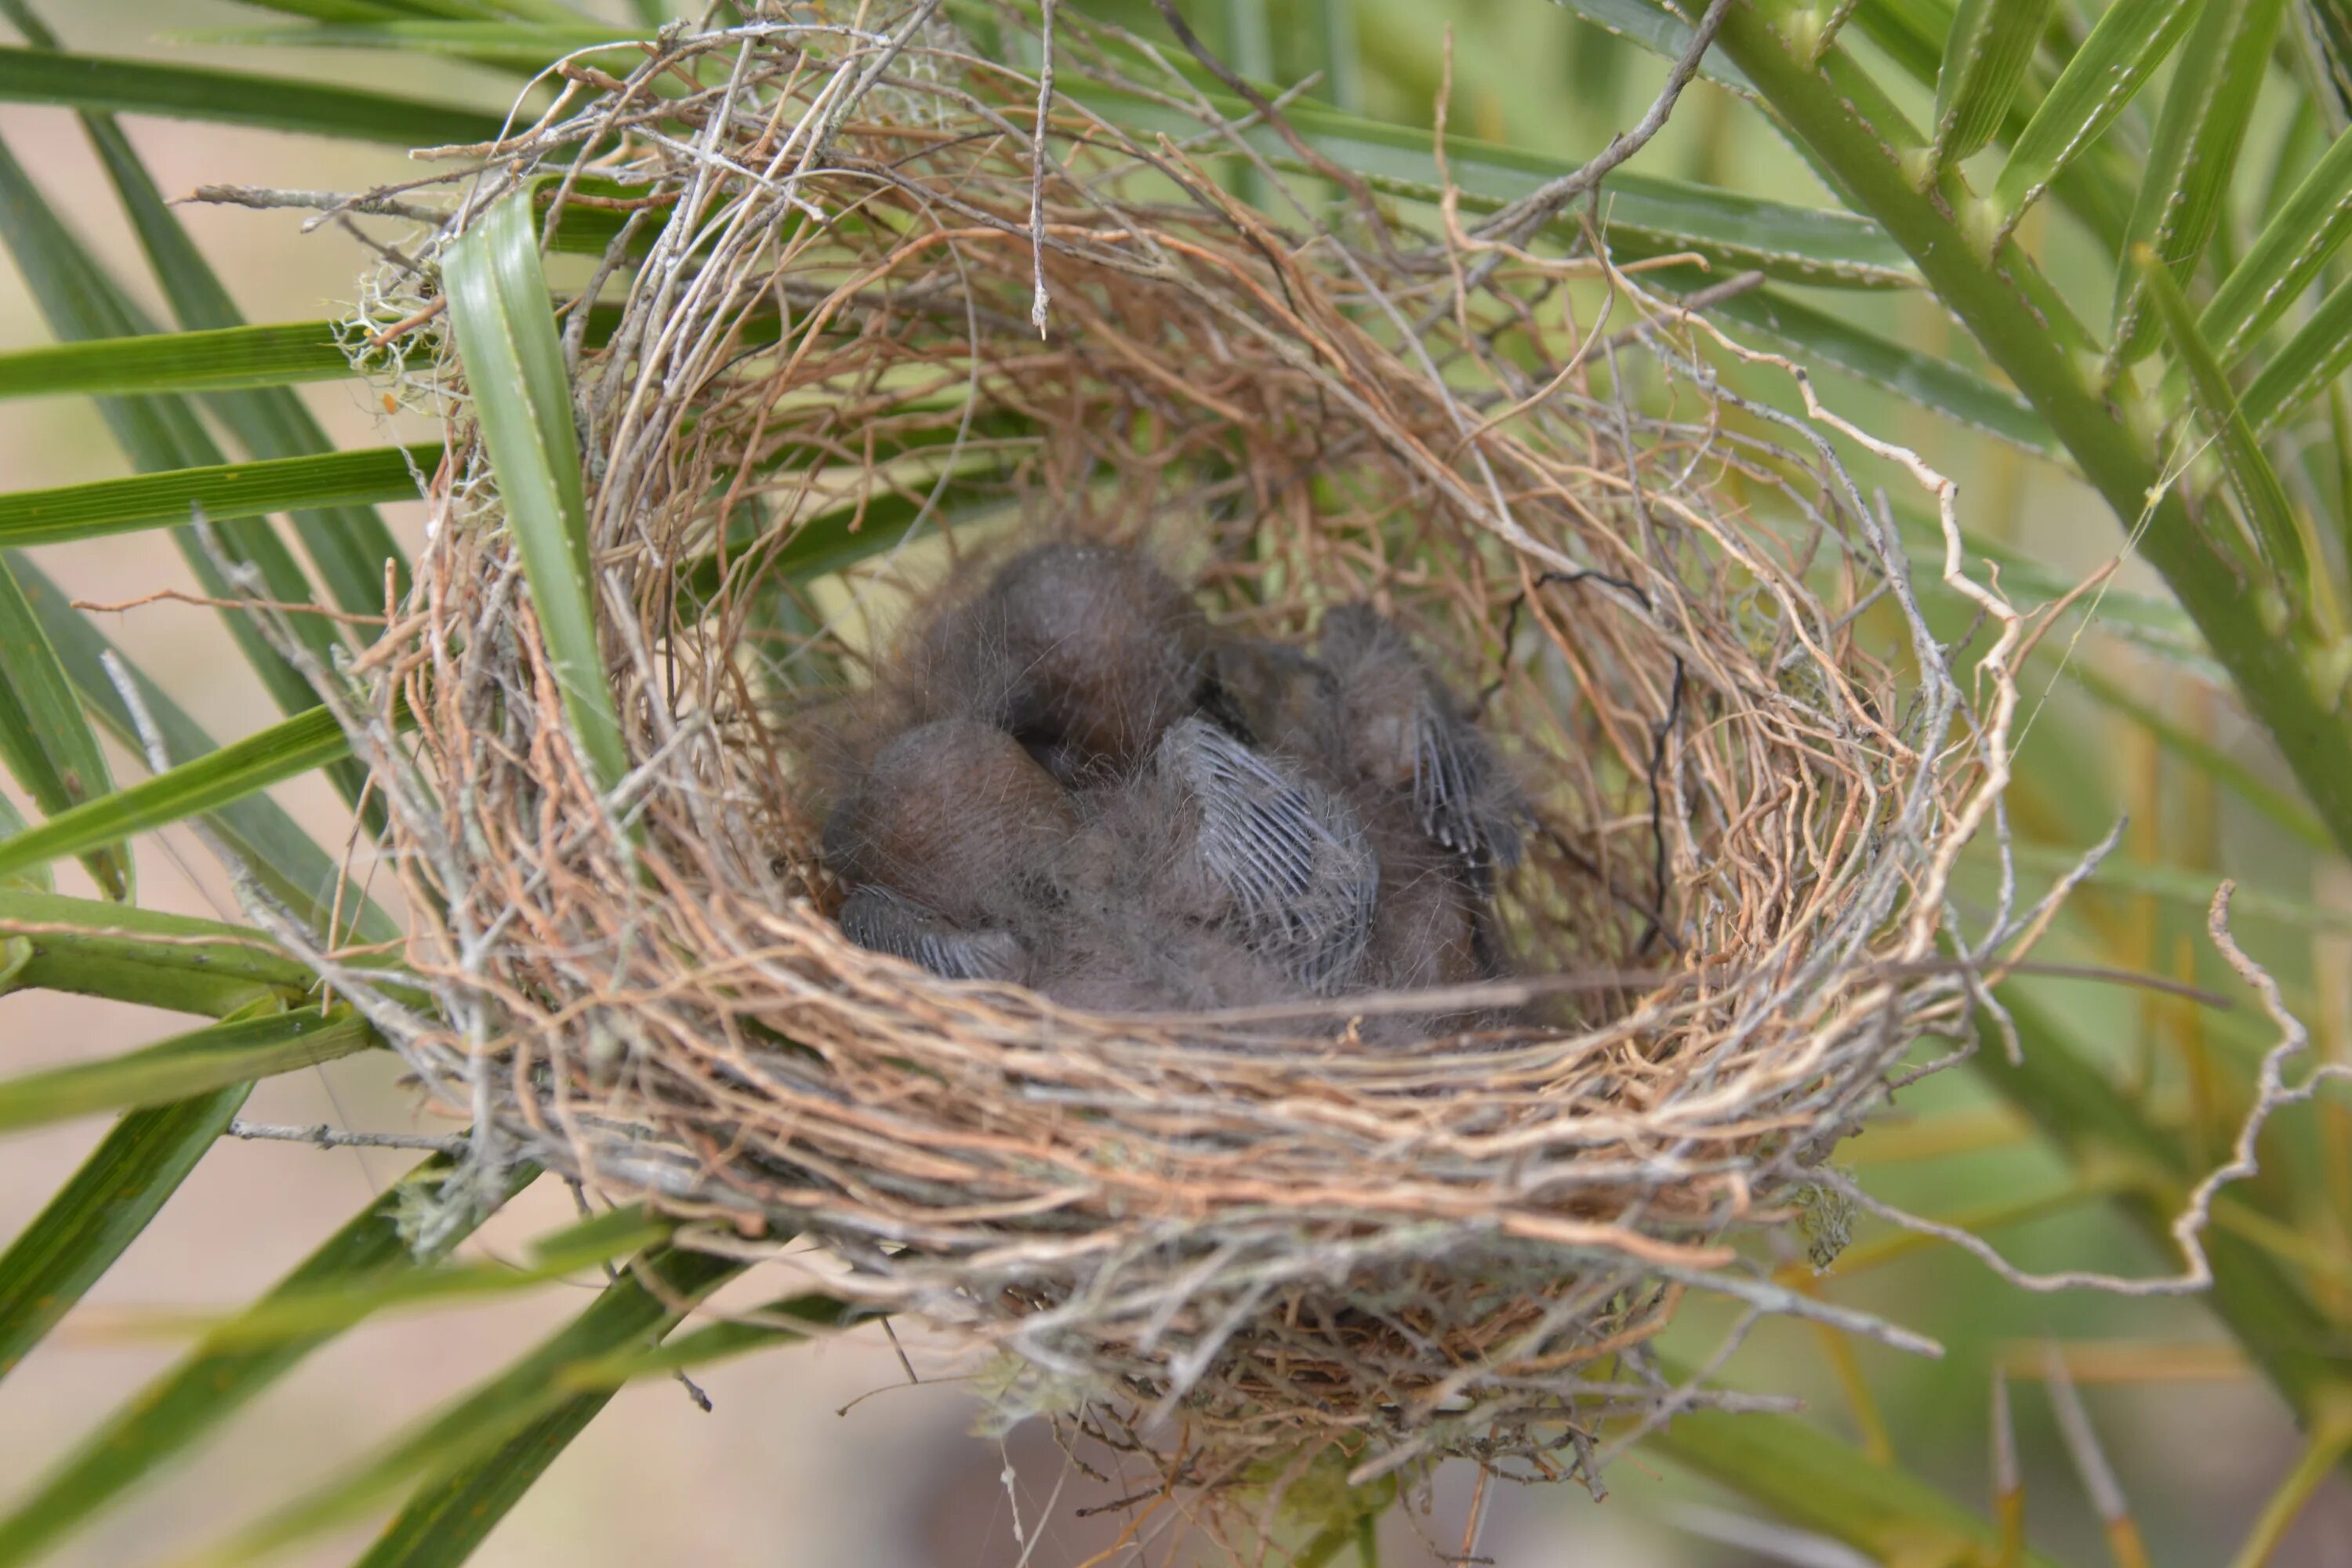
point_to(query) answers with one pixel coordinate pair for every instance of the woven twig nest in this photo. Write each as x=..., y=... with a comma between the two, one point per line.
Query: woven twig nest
x=1223, y=1236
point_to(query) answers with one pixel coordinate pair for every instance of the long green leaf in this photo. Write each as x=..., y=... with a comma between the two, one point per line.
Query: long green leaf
x=199, y=1062
x=532, y=1390
x=513, y=356
x=1985, y=58
x=2257, y=485
x=2191, y=890
x=188, y=965
x=281, y=356
x=2225, y=768
x=1645, y=215
x=45, y=739
x=1813, y=1481
x=225, y=490
x=122, y=1186
x=452, y=1513
x=526, y=46
x=1661, y=33
x=13, y=950
x=2194, y=157
x=2095, y=188
x=218, y=1377
x=2316, y=354
x=337, y=1305
x=2131, y=39
x=1338, y=54
x=236, y=97
x=2307, y=228
x=282, y=751
x=304, y=878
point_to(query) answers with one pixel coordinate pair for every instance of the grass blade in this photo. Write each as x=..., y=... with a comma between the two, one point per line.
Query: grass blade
x=2131, y=39
x=13, y=952
x=187, y=965
x=2257, y=485
x=282, y=751
x=224, y=490
x=1647, y=215
x=1338, y=53
x=520, y=46
x=2190, y=888
x=216, y=1378
x=2307, y=228
x=2315, y=356
x=1815, y=1482
x=335, y=1306
x=2194, y=156
x=233, y=1051
x=1985, y=58
x=513, y=356
x=647, y=1302
x=448, y=1516
x=1661, y=33
x=235, y=357
x=302, y=876
x=2222, y=766
x=236, y=97
x=100, y=1210
x=45, y=738
x=2331, y=30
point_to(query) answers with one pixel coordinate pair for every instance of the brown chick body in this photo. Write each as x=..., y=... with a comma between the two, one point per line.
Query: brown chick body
x=1370, y=722
x=1082, y=653
x=1403, y=731
x=959, y=827
x=1255, y=844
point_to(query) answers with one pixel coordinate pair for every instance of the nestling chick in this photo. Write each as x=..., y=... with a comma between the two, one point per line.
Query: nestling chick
x=954, y=826
x=1083, y=653
x=1403, y=730
x=876, y=918
x=1261, y=845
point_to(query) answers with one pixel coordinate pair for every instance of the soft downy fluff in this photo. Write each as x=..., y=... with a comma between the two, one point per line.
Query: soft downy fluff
x=1069, y=779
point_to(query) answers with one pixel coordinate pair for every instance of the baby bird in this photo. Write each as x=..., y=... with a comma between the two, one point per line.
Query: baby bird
x=1083, y=653
x=945, y=837
x=1402, y=729
x=878, y=919
x=1261, y=845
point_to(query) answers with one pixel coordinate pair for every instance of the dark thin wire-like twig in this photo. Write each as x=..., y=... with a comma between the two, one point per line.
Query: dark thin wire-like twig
x=1539, y=207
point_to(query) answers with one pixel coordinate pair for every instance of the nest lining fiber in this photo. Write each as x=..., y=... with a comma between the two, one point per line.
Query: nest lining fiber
x=814, y=345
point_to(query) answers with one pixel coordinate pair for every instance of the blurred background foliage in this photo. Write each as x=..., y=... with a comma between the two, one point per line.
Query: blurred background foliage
x=2144, y=376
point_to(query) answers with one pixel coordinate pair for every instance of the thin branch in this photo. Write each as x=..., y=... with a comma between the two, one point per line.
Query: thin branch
x=326, y=1137
x=1532, y=211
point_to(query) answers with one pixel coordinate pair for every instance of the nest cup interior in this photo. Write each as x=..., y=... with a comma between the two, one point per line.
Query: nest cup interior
x=818, y=406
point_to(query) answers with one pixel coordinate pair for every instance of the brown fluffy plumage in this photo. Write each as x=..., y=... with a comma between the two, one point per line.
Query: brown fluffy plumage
x=1099, y=797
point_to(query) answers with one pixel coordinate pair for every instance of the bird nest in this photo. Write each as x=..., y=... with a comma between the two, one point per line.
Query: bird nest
x=810, y=378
